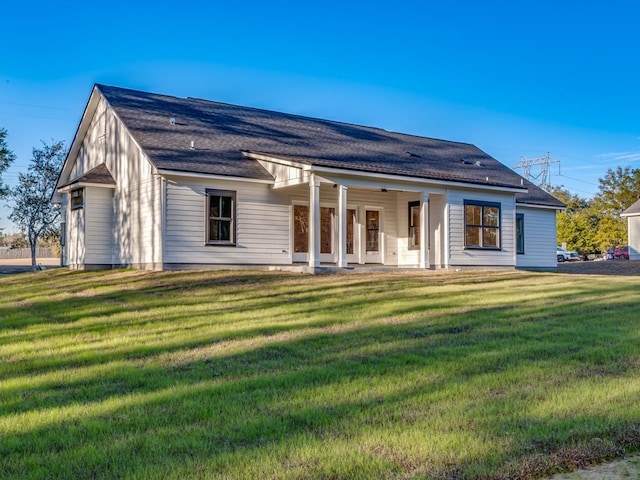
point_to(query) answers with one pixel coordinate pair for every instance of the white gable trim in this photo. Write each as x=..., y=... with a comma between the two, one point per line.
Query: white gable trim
x=74, y=186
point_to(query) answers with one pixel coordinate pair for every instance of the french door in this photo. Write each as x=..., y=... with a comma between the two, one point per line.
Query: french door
x=364, y=237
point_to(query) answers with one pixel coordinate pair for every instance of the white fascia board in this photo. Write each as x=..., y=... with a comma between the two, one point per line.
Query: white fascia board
x=77, y=185
x=81, y=131
x=177, y=173
x=545, y=207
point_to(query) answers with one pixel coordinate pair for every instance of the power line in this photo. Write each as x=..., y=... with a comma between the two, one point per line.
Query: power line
x=577, y=180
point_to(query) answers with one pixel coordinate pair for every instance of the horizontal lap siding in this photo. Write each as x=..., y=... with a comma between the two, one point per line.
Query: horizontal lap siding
x=262, y=225
x=99, y=225
x=469, y=257
x=75, y=241
x=539, y=238
x=634, y=237
x=406, y=257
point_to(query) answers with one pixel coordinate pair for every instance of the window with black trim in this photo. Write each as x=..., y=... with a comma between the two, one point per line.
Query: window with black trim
x=414, y=225
x=520, y=233
x=77, y=198
x=482, y=225
x=221, y=217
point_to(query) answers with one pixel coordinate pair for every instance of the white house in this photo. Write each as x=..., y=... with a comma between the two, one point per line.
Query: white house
x=159, y=182
x=633, y=227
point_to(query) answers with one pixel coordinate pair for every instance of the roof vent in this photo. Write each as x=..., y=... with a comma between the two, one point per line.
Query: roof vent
x=193, y=146
x=478, y=163
x=466, y=162
x=172, y=121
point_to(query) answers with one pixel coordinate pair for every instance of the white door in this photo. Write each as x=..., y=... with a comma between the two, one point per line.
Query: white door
x=353, y=250
x=372, y=242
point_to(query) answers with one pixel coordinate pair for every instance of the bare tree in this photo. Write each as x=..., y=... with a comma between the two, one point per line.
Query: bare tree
x=33, y=211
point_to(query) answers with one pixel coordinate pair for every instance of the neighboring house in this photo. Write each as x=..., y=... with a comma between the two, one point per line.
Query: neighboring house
x=159, y=182
x=633, y=227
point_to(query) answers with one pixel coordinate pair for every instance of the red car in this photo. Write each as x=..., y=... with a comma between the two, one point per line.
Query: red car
x=621, y=253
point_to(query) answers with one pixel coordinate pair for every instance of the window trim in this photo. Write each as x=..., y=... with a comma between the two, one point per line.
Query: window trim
x=482, y=205
x=80, y=195
x=519, y=217
x=410, y=206
x=210, y=192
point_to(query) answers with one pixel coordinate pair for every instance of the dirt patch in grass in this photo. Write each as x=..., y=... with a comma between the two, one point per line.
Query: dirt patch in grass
x=625, y=469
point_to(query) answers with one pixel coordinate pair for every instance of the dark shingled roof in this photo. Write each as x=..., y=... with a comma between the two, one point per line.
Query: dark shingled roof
x=98, y=175
x=221, y=133
x=537, y=196
x=633, y=209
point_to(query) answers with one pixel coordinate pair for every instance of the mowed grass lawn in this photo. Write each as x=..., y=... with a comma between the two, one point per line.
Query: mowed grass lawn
x=198, y=375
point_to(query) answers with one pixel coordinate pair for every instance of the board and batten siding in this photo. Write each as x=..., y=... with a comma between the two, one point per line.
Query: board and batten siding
x=634, y=237
x=458, y=255
x=137, y=205
x=98, y=213
x=539, y=238
x=262, y=225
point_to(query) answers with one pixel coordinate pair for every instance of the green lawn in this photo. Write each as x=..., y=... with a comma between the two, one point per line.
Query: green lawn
x=197, y=375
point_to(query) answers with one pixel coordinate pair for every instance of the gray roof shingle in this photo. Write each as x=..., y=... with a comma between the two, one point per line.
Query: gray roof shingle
x=98, y=175
x=221, y=133
x=633, y=209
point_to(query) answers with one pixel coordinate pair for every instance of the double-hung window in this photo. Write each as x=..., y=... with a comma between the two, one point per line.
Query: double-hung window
x=77, y=198
x=481, y=225
x=221, y=217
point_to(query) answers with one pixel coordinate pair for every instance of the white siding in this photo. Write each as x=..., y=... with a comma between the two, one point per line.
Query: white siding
x=98, y=211
x=75, y=246
x=262, y=225
x=406, y=257
x=137, y=197
x=539, y=238
x=459, y=256
x=437, y=204
x=634, y=237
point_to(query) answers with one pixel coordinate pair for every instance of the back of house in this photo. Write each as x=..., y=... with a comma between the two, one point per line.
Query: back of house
x=159, y=182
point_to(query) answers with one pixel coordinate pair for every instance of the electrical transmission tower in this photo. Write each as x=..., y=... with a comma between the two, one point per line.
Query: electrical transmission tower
x=541, y=174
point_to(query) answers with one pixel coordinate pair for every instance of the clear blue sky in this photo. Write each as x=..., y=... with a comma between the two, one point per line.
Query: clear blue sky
x=514, y=78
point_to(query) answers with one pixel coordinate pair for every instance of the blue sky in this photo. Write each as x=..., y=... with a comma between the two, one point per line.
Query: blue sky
x=514, y=78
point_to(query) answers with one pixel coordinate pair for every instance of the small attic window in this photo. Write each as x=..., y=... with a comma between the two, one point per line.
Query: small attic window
x=414, y=155
x=466, y=162
x=77, y=198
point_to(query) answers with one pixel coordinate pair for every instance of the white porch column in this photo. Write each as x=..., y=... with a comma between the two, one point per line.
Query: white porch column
x=424, y=231
x=314, y=221
x=342, y=226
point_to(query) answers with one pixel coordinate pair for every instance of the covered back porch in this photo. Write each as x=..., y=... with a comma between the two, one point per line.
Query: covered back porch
x=341, y=219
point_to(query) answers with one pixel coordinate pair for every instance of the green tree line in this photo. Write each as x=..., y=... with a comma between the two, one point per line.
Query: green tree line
x=593, y=225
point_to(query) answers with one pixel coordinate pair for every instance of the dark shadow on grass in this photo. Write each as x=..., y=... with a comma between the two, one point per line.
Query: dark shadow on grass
x=205, y=410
